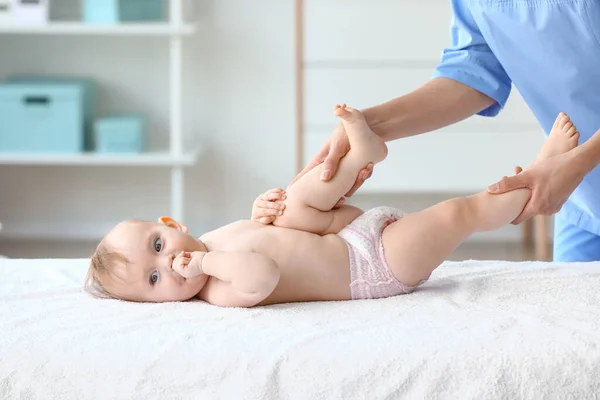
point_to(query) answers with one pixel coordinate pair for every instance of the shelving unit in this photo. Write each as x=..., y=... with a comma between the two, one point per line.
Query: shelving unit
x=175, y=157
x=151, y=159
x=78, y=28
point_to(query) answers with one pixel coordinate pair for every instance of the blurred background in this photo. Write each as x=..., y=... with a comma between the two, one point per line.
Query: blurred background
x=94, y=128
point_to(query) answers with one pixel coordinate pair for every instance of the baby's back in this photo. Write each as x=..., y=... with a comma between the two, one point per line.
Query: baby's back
x=312, y=267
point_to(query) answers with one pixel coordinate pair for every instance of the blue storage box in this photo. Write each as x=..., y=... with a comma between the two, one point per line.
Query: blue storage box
x=51, y=115
x=120, y=134
x=114, y=11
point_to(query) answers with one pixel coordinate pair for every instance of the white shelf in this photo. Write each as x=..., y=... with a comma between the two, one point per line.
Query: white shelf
x=157, y=159
x=124, y=29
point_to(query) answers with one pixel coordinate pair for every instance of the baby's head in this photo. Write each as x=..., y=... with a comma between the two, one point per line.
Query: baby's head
x=134, y=262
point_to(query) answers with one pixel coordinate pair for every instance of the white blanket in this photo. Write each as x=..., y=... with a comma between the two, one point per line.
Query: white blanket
x=476, y=330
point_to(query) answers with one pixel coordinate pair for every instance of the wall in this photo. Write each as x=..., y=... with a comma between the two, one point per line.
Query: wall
x=239, y=103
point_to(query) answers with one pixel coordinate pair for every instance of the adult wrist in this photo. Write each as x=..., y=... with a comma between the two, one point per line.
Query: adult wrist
x=586, y=157
x=377, y=120
x=372, y=116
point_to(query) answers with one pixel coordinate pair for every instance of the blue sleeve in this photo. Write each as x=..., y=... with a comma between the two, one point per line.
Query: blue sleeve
x=470, y=61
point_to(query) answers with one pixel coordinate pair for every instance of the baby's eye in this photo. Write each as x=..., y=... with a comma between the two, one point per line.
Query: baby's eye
x=154, y=278
x=158, y=245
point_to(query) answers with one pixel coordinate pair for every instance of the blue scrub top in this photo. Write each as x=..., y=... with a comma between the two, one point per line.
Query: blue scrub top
x=550, y=51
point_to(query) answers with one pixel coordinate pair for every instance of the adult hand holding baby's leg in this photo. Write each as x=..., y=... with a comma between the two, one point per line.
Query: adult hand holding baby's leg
x=330, y=155
x=189, y=265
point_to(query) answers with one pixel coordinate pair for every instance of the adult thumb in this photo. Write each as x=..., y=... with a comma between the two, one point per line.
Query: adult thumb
x=510, y=183
x=330, y=164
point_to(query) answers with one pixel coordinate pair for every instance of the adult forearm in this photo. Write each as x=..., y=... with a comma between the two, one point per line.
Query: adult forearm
x=587, y=156
x=438, y=103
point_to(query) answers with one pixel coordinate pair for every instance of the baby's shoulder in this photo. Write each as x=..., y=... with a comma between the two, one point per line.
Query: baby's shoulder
x=237, y=226
x=238, y=234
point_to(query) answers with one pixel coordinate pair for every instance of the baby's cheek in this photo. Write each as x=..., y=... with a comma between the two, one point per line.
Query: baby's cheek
x=178, y=293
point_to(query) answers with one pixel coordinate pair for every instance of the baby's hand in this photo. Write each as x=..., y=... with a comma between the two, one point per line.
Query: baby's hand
x=268, y=206
x=188, y=264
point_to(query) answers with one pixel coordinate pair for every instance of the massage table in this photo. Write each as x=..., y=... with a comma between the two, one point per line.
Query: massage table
x=475, y=330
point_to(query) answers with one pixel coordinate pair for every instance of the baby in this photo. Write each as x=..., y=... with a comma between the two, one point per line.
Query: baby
x=297, y=247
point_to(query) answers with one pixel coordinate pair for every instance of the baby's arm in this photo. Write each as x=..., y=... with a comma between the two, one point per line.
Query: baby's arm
x=310, y=201
x=242, y=279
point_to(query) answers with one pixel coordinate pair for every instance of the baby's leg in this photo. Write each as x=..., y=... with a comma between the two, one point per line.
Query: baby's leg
x=312, y=220
x=418, y=243
x=310, y=201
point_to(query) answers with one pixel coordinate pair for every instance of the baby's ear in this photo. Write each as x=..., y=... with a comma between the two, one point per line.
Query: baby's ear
x=171, y=223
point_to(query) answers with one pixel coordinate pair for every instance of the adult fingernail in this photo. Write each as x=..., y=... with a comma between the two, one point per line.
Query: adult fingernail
x=325, y=174
x=493, y=187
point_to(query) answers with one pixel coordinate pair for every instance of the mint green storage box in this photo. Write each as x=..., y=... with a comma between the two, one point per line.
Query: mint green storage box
x=50, y=115
x=120, y=134
x=115, y=11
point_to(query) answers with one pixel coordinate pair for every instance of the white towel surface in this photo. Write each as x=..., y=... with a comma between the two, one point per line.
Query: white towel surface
x=476, y=330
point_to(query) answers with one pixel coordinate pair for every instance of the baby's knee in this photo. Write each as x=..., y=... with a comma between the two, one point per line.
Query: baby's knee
x=301, y=217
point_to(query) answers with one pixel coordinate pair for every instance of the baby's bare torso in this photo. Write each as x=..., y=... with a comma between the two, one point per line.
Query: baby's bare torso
x=313, y=267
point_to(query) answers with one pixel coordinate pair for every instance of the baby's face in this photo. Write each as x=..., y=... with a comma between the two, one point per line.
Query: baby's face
x=151, y=248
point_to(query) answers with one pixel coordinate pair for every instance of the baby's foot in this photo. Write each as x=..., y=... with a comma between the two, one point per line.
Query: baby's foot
x=562, y=138
x=359, y=133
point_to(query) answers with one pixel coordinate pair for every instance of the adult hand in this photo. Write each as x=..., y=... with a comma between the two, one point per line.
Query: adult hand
x=551, y=182
x=336, y=147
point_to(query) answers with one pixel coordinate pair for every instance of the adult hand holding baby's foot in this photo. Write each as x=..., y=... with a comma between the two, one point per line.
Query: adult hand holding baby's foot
x=553, y=175
x=189, y=265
